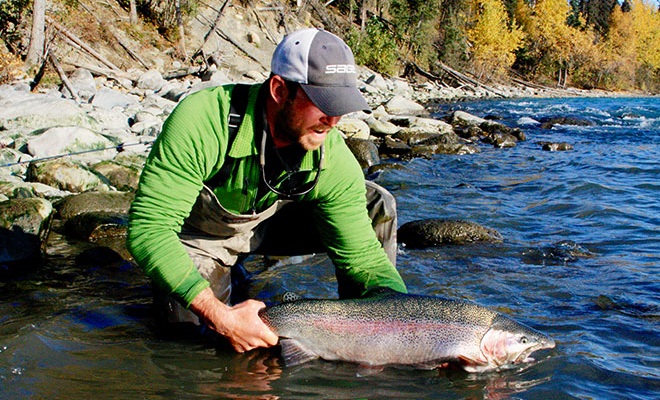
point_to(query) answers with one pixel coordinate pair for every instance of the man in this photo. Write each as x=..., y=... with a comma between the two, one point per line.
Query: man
x=283, y=181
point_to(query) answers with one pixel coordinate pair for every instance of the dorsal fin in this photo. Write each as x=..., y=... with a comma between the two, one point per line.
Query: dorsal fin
x=289, y=297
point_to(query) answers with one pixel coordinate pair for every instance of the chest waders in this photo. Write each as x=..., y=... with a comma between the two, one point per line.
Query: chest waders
x=215, y=238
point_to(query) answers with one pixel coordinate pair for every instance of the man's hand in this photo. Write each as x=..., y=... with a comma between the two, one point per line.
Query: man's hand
x=240, y=324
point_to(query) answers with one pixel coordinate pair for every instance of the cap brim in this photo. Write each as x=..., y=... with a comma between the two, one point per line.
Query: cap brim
x=336, y=100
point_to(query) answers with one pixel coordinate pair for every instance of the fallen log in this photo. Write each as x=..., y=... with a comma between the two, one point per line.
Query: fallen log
x=70, y=37
x=63, y=77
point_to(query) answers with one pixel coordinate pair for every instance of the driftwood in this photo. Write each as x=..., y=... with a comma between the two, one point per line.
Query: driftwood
x=214, y=25
x=63, y=77
x=180, y=73
x=229, y=39
x=109, y=28
x=117, y=75
x=264, y=27
x=466, y=80
x=71, y=38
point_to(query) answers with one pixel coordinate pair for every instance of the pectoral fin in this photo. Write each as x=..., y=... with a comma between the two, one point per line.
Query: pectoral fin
x=470, y=364
x=294, y=353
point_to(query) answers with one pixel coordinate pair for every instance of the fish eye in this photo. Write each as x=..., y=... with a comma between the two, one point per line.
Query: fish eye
x=524, y=340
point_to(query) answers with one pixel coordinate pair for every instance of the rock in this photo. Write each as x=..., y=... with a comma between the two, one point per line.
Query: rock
x=365, y=151
x=21, y=189
x=9, y=159
x=354, y=128
x=549, y=146
x=401, y=87
x=548, y=123
x=109, y=99
x=83, y=83
x=399, y=105
x=501, y=140
x=110, y=121
x=65, y=175
x=39, y=111
x=151, y=80
x=24, y=225
x=393, y=147
x=71, y=139
x=558, y=253
x=121, y=177
x=377, y=81
x=381, y=128
x=94, y=202
x=434, y=232
x=461, y=118
x=94, y=226
x=254, y=38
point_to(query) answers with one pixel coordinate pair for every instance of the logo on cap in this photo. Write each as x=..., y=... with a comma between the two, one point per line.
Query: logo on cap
x=340, y=69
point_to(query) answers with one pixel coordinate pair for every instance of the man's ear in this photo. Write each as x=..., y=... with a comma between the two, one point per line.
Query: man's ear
x=279, y=92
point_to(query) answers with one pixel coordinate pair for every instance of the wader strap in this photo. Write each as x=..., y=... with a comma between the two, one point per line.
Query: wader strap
x=237, y=107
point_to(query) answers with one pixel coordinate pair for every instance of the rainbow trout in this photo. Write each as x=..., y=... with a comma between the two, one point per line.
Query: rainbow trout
x=400, y=329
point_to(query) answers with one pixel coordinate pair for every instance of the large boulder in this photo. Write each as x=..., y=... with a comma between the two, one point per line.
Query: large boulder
x=69, y=140
x=66, y=175
x=435, y=232
x=24, y=226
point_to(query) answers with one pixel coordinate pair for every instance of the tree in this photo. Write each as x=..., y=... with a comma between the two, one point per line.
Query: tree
x=597, y=13
x=551, y=42
x=133, y=16
x=35, y=52
x=494, y=39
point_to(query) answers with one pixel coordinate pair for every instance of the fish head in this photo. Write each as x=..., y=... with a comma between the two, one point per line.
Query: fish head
x=508, y=343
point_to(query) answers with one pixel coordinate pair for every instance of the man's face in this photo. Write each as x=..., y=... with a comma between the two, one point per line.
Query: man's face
x=300, y=121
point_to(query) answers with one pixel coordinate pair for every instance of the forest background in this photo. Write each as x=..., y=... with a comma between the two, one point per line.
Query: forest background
x=588, y=44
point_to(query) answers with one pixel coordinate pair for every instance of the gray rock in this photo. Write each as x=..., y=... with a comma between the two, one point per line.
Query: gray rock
x=461, y=118
x=65, y=175
x=109, y=99
x=381, y=128
x=377, y=81
x=9, y=159
x=121, y=177
x=434, y=232
x=39, y=111
x=83, y=84
x=399, y=105
x=365, y=151
x=24, y=225
x=353, y=128
x=94, y=202
x=20, y=189
x=151, y=80
x=551, y=146
x=71, y=139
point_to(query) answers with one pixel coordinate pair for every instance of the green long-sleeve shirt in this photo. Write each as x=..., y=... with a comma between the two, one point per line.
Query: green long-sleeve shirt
x=193, y=147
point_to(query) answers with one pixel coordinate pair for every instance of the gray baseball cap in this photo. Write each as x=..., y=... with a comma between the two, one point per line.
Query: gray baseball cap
x=325, y=68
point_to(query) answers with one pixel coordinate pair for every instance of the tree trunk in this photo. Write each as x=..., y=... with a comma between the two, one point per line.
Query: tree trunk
x=133, y=13
x=182, y=32
x=35, y=53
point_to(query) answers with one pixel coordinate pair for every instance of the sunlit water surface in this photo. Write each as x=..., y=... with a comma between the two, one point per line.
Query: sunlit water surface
x=579, y=262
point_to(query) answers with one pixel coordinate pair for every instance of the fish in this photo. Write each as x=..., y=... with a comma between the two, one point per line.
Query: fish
x=397, y=329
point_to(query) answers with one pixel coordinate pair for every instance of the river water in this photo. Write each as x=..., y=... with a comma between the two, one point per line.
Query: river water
x=579, y=262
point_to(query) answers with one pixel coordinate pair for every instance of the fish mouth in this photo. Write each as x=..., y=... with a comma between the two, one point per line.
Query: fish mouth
x=523, y=357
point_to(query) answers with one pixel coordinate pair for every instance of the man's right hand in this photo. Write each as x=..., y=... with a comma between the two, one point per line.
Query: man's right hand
x=240, y=324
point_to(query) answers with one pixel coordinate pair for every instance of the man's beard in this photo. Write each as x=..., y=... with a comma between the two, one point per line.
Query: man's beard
x=283, y=124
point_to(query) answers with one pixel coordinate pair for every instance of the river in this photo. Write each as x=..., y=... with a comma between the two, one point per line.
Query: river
x=579, y=262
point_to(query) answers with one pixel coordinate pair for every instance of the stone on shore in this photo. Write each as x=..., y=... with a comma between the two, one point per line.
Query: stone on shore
x=24, y=225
